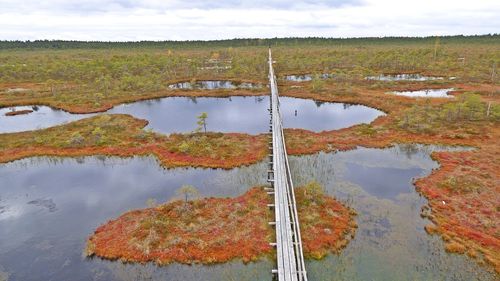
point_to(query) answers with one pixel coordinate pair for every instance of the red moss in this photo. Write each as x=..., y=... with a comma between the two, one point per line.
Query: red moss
x=326, y=224
x=193, y=232
x=215, y=230
x=468, y=184
x=88, y=105
x=123, y=136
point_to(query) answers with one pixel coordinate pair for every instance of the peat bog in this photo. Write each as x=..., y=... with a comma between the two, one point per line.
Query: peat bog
x=400, y=139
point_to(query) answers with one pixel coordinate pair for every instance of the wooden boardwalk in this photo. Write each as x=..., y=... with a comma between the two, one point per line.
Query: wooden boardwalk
x=290, y=258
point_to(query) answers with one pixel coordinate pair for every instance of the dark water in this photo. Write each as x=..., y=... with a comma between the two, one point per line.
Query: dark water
x=214, y=84
x=305, y=77
x=375, y=179
x=429, y=93
x=234, y=114
x=48, y=207
x=403, y=77
x=390, y=243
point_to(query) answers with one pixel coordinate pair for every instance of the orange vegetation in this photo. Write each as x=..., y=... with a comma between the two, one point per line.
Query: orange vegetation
x=214, y=230
x=408, y=120
x=468, y=182
x=40, y=94
x=122, y=135
x=326, y=224
x=464, y=196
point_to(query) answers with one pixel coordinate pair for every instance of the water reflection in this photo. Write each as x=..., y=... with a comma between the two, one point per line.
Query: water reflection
x=214, y=84
x=178, y=114
x=44, y=241
x=41, y=117
x=390, y=243
x=245, y=114
x=320, y=116
x=228, y=272
x=51, y=205
x=403, y=77
x=428, y=93
x=232, y=114
x=306, y=77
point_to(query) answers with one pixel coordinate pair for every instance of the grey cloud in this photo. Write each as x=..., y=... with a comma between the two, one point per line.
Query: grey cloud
x=100, y=6
x=196, y=19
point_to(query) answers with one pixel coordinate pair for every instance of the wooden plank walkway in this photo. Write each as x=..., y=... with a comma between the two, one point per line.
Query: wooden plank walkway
x=290, y=258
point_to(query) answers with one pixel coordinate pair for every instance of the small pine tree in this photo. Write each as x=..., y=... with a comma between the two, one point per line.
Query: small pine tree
x=187, y=191
x=202, y=122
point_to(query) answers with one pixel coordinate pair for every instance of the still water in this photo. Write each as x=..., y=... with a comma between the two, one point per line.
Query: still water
x=48, y=207
x=214, y=84
x=233, y=114
x=390, y=243
x=429, y=93
x=41, y=117
x=403, y=77
x=306, y=77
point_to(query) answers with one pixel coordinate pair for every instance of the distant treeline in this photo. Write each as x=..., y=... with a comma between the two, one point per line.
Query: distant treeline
x=62, y=44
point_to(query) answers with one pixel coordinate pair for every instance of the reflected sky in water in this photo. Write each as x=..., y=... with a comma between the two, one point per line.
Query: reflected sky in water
x=41, y=117
x=404, y=77
x=49, y=206
x=214, y=84
x=234, y=114
x=390, y=243
x=306, y=77
x=429, y=93
x=245, y=114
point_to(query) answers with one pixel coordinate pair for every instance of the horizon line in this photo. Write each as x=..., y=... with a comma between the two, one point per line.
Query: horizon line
x=254, y=38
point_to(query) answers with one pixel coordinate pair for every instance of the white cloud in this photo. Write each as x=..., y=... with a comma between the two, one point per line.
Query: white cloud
x=176, y=20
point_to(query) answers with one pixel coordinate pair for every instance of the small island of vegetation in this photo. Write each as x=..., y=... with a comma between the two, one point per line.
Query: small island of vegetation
x=215, y=230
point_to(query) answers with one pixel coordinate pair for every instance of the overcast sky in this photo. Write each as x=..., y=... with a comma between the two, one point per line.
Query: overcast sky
x=123, y=20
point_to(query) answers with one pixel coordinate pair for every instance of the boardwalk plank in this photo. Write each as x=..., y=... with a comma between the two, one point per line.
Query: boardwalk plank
x=290, y=258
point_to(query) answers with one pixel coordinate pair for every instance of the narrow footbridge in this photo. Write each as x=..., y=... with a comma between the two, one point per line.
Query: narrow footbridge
x=290, y=258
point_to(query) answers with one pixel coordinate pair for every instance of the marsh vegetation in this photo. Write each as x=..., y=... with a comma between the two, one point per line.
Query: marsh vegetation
x=338, y=129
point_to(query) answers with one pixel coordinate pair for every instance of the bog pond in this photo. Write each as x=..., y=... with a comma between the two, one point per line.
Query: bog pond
x=41, y=117
x=214, y=84
x=306, y=77
x=232, y=114
x=49, y=206
x=405, y=77
x=428, y=93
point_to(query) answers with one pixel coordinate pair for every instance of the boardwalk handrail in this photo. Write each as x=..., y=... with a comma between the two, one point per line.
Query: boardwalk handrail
x=290, y=258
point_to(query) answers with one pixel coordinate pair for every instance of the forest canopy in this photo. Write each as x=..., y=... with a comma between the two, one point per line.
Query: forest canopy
x=64, y=44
